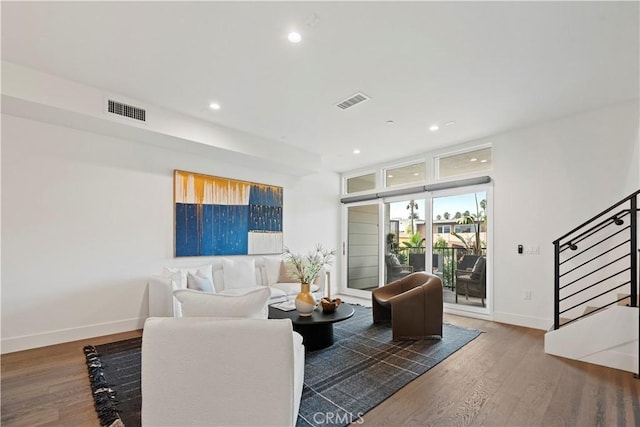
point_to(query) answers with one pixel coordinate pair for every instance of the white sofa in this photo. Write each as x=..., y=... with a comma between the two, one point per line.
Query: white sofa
x=230, y=276
x=241, y=372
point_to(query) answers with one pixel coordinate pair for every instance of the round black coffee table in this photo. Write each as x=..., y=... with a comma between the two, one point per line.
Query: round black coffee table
x=317, y=329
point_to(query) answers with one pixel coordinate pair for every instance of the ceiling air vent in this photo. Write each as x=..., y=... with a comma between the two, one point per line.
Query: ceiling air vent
x=353, y=100
x=125, y=110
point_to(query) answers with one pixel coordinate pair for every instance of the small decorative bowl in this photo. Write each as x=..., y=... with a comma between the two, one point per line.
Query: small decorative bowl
x=329, y=306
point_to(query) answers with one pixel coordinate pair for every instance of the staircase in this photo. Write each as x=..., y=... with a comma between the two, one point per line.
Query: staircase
x=596, y=315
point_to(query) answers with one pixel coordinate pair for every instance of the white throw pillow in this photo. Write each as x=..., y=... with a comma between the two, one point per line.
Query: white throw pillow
x=173, y=274
x=240, y=273
x=199, y=282
x=272, y=267
x=251, y=304
x=218, y=279
x=261, y=276
x=179, y=275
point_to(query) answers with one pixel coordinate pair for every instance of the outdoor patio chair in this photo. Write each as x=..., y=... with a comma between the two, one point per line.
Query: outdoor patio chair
x=395, y=270
x=467, y=261
x=417, y=261
x=413, y=304
x=472, y=282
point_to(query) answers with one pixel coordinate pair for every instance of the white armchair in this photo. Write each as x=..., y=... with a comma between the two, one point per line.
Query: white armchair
x=221, y=372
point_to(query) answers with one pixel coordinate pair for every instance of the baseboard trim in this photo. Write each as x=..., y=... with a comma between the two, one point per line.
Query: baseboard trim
x=520, y=320
x=26, y=342
x=460, y=311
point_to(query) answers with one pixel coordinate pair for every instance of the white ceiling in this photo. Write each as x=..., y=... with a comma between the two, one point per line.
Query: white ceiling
x=487, y=66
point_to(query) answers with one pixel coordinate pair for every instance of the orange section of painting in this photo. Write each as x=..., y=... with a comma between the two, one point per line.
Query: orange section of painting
x=205, y=189
x=190, y=187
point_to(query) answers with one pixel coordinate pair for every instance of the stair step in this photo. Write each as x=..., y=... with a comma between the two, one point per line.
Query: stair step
x=627, y=299
x=599, y=338
x=587, y=310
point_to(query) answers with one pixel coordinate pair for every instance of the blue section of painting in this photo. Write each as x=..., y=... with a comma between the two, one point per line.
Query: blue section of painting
x=230, y=229
x=265, y=196
x=203, y=229
x=265, y=218
x=187, y=241
x=265, y=208
x=206, y=237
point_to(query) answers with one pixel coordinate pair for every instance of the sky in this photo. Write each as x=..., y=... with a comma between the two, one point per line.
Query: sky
x=451, y=204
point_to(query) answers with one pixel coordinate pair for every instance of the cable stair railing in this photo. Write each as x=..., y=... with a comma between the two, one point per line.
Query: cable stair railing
x=596, y=265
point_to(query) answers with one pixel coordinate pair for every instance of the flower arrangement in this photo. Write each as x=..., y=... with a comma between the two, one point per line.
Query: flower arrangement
x=306, y=268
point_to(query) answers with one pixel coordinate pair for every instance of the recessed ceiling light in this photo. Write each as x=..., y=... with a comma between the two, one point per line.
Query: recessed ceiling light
x=391, y=122
x=294, y=37
x=473, y=159
x=389, y=176
x=433, y=128
x=416, y=174
x=214, y=106
x=483, y=161
x=451, y=123
x=356, y=151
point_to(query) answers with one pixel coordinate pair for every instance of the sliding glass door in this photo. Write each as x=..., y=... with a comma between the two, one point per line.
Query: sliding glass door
x=362, y=249
x=445, y=233
x=406, y=237
x=459, y=231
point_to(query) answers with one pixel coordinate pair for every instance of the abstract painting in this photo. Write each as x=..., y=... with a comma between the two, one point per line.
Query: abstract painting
x=221, y=216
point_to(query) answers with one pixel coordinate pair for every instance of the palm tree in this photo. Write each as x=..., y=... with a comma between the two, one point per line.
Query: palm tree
x=458, y=215
x=438, y=217
x=446, y=215
x=476, y=220
x=413, y=216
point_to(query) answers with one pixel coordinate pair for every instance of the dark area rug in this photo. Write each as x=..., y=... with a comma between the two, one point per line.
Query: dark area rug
x=363, y=368
x=114, y=374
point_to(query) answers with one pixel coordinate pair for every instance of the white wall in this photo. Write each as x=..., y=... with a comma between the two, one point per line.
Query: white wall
x=312, y=216
x=30, y=93
x=548, y=179
x=86, y=218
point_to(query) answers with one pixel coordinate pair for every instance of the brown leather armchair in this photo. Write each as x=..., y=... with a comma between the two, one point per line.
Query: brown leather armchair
x=413, y=304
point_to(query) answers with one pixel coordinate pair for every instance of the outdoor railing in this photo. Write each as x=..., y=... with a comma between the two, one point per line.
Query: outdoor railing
x=445, y=261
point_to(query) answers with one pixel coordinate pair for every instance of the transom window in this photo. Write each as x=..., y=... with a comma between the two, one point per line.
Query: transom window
x=464, y=163
x=361, y=183
x=415, y=172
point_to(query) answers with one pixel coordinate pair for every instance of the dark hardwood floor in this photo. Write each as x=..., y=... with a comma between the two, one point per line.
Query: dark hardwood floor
x=502, y=378
x=49, y=385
